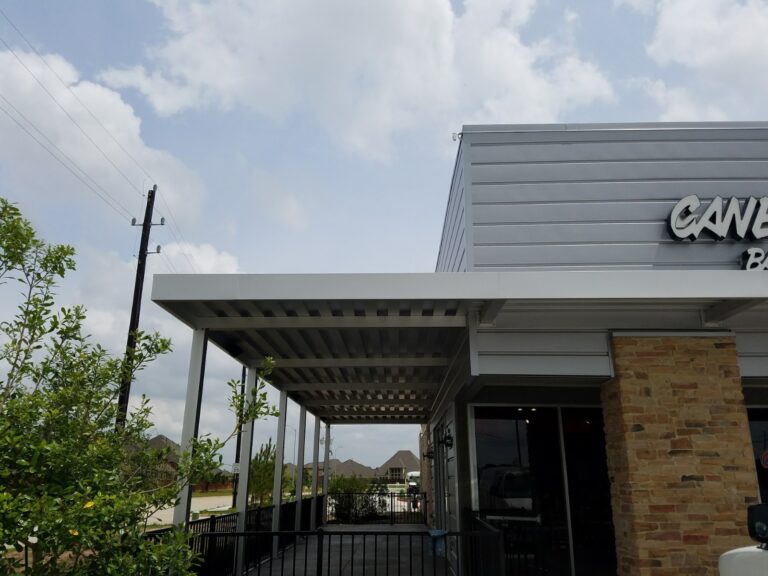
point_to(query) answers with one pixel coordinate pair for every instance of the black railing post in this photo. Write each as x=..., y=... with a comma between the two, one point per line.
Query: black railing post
x=391, y=508
x=319, y=570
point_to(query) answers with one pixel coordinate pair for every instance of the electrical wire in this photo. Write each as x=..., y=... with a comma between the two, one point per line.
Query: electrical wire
x=71, y=118
x=65, y=155
x=74, y=94
x=116, y=207
x=179, y=238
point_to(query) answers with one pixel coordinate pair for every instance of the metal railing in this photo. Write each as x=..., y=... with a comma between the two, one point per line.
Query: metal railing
x=353, y=553
x=376, y=508
x=215, y=549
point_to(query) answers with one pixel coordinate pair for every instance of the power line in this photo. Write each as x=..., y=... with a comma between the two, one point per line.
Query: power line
x=106, y=200
x=65, y=155
x=71, y=118
x=74, y=94
x=172, y=220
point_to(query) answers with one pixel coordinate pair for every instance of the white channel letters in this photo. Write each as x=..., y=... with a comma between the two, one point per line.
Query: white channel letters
x=722, y=219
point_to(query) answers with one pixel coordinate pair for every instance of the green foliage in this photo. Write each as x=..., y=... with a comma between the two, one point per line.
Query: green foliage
x=356, y=484
x=354, y=499
x=262, y=475
x=75, y=489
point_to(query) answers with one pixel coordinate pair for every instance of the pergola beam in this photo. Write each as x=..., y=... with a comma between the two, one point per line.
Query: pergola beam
x=329, y=322
x=358, y=386
x=726, y=309
x=490, y=310
x=369, y=420
x=327, y=415
x=360, y=362
x=326, y=402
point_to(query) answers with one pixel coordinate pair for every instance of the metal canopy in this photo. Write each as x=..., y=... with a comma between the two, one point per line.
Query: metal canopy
x=364, y=348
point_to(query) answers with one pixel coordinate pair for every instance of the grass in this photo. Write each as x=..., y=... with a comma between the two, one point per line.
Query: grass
x=212, y=493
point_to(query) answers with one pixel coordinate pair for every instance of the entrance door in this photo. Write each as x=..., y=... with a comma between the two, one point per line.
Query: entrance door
x=541, y=477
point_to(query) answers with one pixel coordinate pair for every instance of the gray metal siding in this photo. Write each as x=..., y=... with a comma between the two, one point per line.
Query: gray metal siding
x=752, y=349
x=586, y=198
x=571, y=354
x=452, y=256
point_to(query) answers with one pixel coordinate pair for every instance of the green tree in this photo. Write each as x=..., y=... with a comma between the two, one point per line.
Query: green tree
x=74, y=489
x=262, y=475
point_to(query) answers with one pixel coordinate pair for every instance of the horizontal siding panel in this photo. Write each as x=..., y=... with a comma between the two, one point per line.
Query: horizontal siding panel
x=453, y=243
x=619, y=171
x=752, y=343
x=613, y=151
x=580, y=320
x=573, y=212
x=616, y=254
x=505, y=342
x=752, y=349
x=571, y=233
x=753, y=366
x=545, y=365
x=560, y=133
x=612, y=191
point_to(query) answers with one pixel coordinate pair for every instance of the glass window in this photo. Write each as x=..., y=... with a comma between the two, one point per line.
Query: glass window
x=758, y=428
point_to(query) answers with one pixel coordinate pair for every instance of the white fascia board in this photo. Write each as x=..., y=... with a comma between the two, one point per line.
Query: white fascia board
x=524, y=285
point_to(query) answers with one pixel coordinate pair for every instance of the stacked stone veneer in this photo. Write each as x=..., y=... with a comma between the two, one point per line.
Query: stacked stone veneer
x=679, y=454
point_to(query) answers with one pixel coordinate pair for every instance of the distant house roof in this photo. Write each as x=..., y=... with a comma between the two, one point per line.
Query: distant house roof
x=161, y=441
x=347, y=468
x=401, y=459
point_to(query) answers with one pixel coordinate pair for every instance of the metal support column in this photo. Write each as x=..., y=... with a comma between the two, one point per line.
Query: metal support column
x=326, y=470
x=277, y=487
x=300, y=465
x=315, y=467
x=191, y=420
x=246, y=451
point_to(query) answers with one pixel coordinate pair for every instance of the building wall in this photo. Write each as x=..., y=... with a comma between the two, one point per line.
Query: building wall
x=453, y=254
x=679, y=453
x=597, y=197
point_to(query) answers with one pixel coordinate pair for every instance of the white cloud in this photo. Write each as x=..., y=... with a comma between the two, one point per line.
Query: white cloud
x=642, y=6
x=21, y=157
x=199, y=258
x=366, y=72
x=723, y=45
x=679, y=105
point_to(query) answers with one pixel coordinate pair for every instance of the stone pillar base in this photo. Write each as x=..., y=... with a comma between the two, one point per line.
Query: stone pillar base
x=679, y=454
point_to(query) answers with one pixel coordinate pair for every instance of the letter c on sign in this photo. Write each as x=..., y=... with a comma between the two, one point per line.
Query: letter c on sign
x=682, y=223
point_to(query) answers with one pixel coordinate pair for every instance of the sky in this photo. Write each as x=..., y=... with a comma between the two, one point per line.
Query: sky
x=304, y=136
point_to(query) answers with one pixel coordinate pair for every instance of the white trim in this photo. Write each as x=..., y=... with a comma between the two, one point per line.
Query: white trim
x=277, y=485
x=299, y=480
x=191, y=420
x=517, y=285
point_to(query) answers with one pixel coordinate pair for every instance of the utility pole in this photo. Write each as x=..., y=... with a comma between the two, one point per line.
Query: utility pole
x=130, y=347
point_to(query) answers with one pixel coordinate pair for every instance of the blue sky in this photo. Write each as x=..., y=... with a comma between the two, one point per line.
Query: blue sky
x=300, y=136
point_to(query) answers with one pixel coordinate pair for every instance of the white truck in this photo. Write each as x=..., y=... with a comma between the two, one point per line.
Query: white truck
x=751, y=560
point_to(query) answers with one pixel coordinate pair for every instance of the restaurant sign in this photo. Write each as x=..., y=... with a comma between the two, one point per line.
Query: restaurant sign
x=720, y=219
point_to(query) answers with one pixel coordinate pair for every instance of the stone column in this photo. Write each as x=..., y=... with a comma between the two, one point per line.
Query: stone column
x=679, y=453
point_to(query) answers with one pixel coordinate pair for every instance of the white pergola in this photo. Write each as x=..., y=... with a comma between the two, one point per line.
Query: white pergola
x=376, y=348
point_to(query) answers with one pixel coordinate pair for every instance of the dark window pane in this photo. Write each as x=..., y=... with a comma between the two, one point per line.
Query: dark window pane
x=758, y=428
